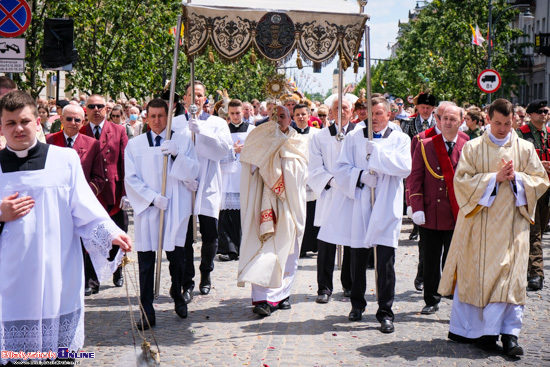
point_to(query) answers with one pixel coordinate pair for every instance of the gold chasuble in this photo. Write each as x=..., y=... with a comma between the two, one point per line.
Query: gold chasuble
x=273, y=202
x=490, y=247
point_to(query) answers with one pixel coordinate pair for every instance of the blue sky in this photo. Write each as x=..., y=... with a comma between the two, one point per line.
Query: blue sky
x=385, y=15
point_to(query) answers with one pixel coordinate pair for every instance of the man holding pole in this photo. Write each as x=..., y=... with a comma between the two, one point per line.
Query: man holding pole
x=374, y=166
x=143, y=181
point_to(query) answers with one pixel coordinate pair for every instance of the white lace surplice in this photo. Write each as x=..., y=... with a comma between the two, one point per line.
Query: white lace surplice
x=231, y=174
x=41, y=268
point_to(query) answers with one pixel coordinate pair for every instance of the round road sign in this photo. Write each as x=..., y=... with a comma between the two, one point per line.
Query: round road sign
x=410, y=98
x=15, y=17
x=489, y=81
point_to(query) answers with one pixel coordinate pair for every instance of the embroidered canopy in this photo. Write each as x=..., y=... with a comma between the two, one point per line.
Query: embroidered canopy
x=319, y=29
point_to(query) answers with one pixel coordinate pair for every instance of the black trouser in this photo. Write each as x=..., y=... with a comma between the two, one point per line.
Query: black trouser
x=146, y=262
x=536, y=265
x=436, y=247
x=309, y=241
x=90, y=277
x=420, y=268
x=325, y=268
x=230, y=233
x=385, y=284
x=209, y=234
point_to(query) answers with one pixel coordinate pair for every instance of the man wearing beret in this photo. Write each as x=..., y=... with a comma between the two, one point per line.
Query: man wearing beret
x=537, y=133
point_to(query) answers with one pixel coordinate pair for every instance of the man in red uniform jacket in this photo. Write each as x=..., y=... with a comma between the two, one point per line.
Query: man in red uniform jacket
x=112, y=139
x=431, y=195
x=72, y=119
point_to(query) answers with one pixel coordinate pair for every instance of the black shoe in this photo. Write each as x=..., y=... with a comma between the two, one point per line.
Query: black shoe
x=118, y=278
x=262, y=309
x=510, y=345
x=419, y=285
x=356, y=314
x=489, y=343
x=284, y=304
x=188, y=295
x=414, y=234
x=181, y=308
x=228, y=257
x=347, y=293
x=429, y=309
x=322, y=298
x=205, y=283
x=386, y=326
x=461, y=339
x=144, y=325
x=535, y=283
x=87, y=291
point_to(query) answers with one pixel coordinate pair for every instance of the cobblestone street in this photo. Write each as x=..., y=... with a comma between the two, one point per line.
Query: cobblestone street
x=221, y=329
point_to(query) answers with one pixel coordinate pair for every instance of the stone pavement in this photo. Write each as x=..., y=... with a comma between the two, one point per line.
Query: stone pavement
x=221, y=329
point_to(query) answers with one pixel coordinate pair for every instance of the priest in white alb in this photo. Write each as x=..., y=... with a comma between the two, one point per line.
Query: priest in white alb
x=273, y=210
x=497, y=183
x=41, y=268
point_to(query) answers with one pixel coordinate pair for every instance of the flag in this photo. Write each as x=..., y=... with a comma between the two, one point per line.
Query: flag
x=173, y=30
x=477, y=38
x=382, y=84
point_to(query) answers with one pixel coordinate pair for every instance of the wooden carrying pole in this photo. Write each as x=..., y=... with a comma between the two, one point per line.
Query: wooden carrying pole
x=165, y=162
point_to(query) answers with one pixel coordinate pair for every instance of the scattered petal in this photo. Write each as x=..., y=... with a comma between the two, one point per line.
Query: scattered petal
x=271, y=348
x=334, y=334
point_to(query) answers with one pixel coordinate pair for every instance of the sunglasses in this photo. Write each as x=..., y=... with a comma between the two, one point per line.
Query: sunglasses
x=399, y=104
x=321, y=115
x=115, y=116
x=521, y=116
x=69, y=119
x=542, y=112
x=94, y=106
x=394, y=110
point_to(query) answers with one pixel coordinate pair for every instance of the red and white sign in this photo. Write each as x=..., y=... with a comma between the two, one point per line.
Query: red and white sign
x=410, y=99
x=489, y=81
x=15, y=17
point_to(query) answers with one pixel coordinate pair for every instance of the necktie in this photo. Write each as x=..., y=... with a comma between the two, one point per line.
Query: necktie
x=70, y=142
x=376, y=135
x=157, y=140
x=451, y=146
x=96, y=132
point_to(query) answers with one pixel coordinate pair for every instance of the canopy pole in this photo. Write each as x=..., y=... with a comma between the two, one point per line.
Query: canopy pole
x=165, y=162
x=340, y=135
x=194, y=109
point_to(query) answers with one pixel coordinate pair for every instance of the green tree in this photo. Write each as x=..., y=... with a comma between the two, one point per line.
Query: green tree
x=435, y=53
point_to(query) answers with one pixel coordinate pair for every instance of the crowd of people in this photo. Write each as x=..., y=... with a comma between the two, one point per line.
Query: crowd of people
x=270, y=182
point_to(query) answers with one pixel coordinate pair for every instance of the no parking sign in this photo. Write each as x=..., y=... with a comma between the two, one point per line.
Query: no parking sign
x=15, y=17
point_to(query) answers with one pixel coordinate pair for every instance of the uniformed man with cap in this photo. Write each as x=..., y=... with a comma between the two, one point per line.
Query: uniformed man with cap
x=423, y=119
x=537, y=133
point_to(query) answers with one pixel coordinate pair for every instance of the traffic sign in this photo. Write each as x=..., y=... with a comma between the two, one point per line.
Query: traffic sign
x=15, y=17
x=410, y=99
x=489, y=81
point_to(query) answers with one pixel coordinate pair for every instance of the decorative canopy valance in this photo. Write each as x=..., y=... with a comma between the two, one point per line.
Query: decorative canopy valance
x=319, y=30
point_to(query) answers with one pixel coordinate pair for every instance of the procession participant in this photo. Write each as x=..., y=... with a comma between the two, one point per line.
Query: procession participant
x=144, y=174
x=388, y=163
x=229, y=226
x=360, y=107
x=88, y=149
x=537, y=133
x=309, y=242
x=45, y=291
x=401, y=114
x=332, y=214
x=248, y=113
x=424, y=119
x=497, y=183
x=273, y=201
x=212, y=142
x=473, y=119
x=112, y=139
x=429, y=133
x=322, y=113
x=433, y=201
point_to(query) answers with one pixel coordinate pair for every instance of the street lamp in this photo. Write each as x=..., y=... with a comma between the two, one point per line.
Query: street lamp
x=527, y=14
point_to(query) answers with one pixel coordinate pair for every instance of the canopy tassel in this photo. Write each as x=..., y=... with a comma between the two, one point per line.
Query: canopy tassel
x=253, y=57
x=299, y=63
x=211, y=56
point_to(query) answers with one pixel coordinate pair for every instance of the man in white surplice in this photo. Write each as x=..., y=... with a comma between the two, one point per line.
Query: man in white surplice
x=41, y=268
x=144, y=156
x=212, y=142
x=381, y=164
x=273, y=210
x=332, y=211
x=230, y=214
